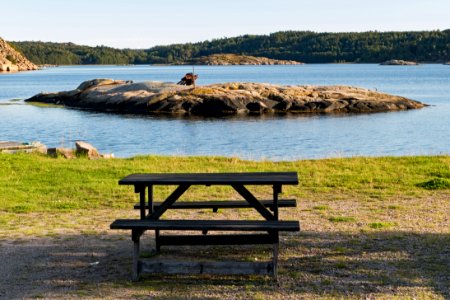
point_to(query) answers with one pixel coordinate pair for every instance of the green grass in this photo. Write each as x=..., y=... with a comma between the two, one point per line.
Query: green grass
x=342, y=219
x=34, y=183
x=321, y=207
x=381, y=225
x=435, y=184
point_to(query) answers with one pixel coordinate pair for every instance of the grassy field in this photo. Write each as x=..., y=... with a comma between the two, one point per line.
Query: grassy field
x=371, y=228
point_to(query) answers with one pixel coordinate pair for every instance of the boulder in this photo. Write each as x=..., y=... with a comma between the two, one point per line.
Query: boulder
x=107, y=155
x=64, y=152
x=39, y=147
x=84, y=148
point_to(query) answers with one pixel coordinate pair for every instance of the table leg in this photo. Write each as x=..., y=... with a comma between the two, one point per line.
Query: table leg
x=150, y=199
x=142, y=201
x=275, y=260
x=135, y=271
x=276, y=191
x=157, y=243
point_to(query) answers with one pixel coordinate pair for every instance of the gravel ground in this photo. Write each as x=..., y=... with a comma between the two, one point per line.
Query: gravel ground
x=328, y=259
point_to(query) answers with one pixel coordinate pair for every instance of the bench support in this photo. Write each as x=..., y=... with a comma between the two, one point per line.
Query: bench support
x=222, y=267
x=136, y=268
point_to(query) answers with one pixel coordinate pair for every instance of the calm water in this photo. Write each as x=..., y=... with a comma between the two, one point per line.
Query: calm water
x=425, y=131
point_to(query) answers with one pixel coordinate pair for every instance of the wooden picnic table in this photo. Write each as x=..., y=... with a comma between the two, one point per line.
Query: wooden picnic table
x=151, y=211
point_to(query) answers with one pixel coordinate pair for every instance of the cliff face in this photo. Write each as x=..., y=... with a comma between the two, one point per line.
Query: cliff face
x=234, y=59
x=223, y=99
x=13, y=61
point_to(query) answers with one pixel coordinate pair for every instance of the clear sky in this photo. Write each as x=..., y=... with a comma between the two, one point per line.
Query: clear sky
x=146, y=23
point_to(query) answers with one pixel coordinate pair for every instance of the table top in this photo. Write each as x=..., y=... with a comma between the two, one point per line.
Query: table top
x=254, y=178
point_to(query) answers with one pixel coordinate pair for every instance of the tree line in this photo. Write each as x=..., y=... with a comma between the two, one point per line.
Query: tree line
x=303, y=46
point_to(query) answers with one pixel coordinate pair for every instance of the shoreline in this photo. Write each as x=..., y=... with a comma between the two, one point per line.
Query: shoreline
x=195, y=65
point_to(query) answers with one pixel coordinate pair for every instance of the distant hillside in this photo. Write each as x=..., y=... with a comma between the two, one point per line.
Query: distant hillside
x=235, y=59
x=13, y=61
x=304, y=46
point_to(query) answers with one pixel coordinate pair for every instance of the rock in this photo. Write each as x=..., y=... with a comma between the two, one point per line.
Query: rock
x=223, y=99
x=64, y=152
x=86, y=149
x=40, y=148
x=234, y=59
x=107, y=155
x=99, y=82
x=398, y=62
x=15, y=147
x=13, y=61
x=256, y=107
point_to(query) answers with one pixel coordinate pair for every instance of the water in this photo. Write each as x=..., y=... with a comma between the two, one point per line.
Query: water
x=417, y=132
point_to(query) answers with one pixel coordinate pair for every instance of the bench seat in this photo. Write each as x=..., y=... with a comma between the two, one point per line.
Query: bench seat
x=215, y=205
x=206, y=225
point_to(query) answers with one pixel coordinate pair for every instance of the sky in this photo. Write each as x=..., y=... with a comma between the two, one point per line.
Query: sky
x=146, y=23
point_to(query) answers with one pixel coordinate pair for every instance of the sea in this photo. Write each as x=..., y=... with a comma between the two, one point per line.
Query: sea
x=270, y=137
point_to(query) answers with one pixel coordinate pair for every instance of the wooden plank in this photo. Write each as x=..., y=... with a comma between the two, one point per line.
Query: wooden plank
x=135, y=268
x=219, y=225
x=225, y=204
x=254, y=178
x=222, y=268
x=217, y=239
x=253, y=201
x=142, y=202
x=169, y=201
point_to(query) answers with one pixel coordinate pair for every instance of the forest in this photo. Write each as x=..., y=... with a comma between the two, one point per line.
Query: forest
x=302, y=46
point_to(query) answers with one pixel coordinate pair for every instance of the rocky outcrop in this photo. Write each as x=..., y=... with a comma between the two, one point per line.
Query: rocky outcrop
x=13, y=61
x=222, y=99
x=234, y=59
x=399, y=62
x=15, y=147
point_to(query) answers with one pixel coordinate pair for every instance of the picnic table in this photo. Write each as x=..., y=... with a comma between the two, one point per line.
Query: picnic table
x=151, y=212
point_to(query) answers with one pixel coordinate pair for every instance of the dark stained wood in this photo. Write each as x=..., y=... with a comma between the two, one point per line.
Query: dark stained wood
x=169, y=201
x=253, y=201
x=220, y=225
x=222, y=267
x=269, y=228
x=142, y=202
x=221, y=204
x=262, y=178
x=217, y=239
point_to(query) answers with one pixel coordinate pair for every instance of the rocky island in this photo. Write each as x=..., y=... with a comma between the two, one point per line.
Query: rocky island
x=398, y=62
x=222, y=99
x=234, y=59
x=12, y=61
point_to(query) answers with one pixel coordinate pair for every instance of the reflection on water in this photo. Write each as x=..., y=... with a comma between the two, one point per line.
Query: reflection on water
x=273, y=137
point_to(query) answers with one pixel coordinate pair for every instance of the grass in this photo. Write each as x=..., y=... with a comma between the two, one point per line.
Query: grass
x=341, y=219
x=379, y=225
x=67, y=185
x=435, y=184
x=370, y=228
